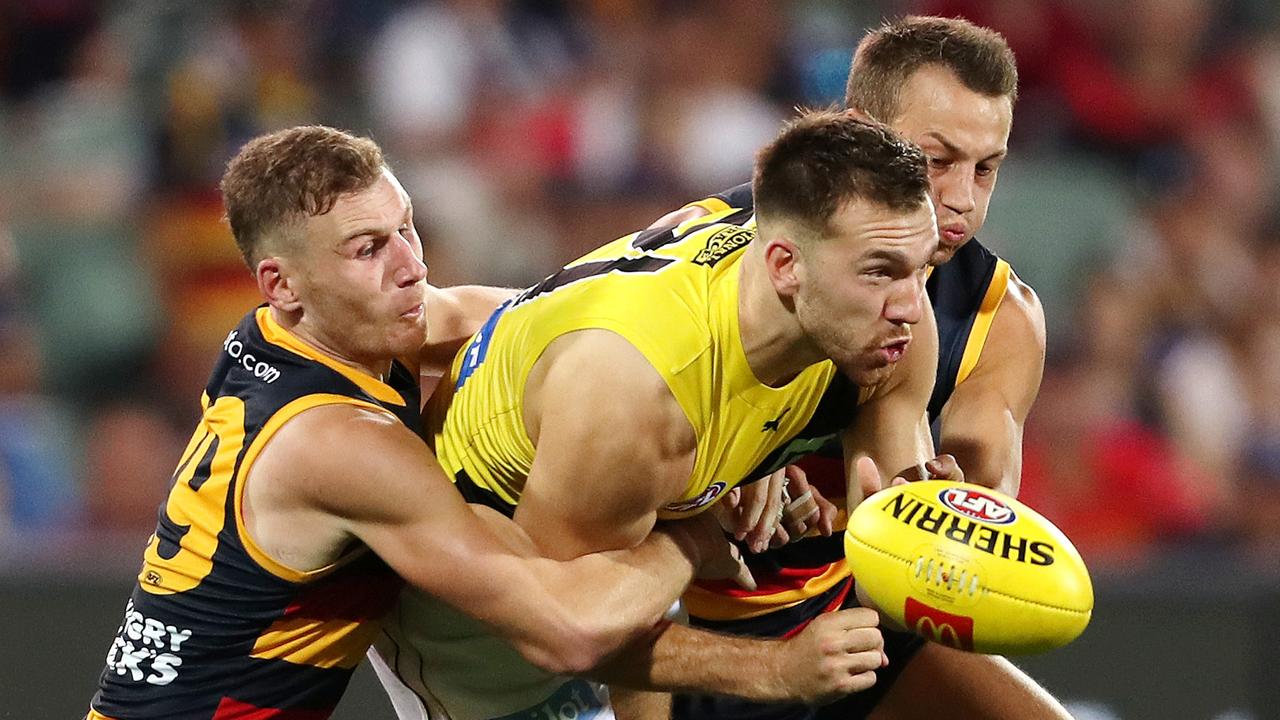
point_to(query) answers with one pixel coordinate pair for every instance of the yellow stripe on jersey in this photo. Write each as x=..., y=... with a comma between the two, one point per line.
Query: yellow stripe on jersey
x=95, y=715
x=318, y=643
x=707, y=605
x=277, y=335
x=269, y=429
x=218, y=440
x=982, y=322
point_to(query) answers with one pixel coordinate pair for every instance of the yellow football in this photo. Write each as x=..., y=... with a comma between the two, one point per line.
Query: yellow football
x=969, y=567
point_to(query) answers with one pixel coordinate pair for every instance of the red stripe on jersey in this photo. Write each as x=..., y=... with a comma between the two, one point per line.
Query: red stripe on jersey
x=832, y=606
x=232, y=709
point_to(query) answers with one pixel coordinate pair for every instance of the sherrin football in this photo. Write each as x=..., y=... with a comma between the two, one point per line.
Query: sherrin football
x=969, y=567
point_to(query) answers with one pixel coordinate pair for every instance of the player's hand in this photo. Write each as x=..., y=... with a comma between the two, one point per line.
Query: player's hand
x=942, y=467
x=867, y=481
x=752, y=512
x=834, y=655
x=805, y=509
x=714, y=556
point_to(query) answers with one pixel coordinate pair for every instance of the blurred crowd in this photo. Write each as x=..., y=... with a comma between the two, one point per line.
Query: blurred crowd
x=1140, y=200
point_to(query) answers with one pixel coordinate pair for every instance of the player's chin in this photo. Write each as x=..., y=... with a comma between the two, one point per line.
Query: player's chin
x=408, y=337
x=943, y=254
x=868, y=372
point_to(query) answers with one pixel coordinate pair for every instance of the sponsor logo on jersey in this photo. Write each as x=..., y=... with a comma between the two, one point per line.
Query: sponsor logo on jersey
x=938, y=625
x=977, y=505
x=146, y=649
x=722, y=244
x=706, y=497
x=912, y=512
x=235, y=348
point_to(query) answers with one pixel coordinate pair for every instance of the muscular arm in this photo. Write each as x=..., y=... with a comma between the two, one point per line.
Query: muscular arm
x=890, y=428
x=612, y=450
x=982, y=421
x=834, y=655
x=891, y=425
x=336, y=472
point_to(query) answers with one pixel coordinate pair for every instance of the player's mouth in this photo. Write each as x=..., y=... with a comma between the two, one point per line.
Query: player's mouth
x=953, y=235
x=414, y=312
x=891, y=352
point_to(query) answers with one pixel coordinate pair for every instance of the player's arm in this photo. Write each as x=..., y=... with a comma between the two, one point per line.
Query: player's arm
x=833, y=656
x=738, y=196
x=982, y=421
x=891, y=426
x=351, y=472
x=454, y=314
x=612, y=448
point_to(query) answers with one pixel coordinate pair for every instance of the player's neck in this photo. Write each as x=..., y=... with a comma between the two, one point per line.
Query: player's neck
x=775, y=347
x=302, y=330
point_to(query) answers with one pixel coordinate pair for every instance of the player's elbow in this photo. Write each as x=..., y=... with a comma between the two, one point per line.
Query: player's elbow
x=574, y=650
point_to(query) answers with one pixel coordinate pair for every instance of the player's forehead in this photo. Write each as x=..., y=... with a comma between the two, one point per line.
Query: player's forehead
x=936, y=108
x=867, y=229
x=383, y=203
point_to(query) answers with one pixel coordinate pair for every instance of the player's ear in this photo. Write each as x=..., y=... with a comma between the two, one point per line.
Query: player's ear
x=781, y=257
x=276, y=284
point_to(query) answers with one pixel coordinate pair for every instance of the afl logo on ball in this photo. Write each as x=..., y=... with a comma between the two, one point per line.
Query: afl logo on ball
x=977, y=505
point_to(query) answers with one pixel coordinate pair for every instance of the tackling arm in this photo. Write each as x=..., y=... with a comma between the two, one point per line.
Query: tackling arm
x=396, y=500
x=982, y=421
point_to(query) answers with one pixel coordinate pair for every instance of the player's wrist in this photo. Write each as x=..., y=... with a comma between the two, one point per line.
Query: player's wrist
x=686, y=543
x=769, y=682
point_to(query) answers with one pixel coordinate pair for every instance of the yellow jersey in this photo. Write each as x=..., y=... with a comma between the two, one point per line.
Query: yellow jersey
x=673, y=294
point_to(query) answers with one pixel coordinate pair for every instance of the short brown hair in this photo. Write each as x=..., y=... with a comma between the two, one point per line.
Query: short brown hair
x=889, y=55
x=826, y=158
x=277, y=180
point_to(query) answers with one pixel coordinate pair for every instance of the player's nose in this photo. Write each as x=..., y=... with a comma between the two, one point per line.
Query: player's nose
x=410, y=268
x=906, y=304
x=955, y=189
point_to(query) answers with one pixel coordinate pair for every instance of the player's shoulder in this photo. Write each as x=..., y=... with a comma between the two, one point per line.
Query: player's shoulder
x=320, y=441
x=997, y=288
x=1023, y=307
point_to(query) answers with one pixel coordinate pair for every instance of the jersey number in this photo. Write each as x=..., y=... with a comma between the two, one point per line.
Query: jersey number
x=180, y=554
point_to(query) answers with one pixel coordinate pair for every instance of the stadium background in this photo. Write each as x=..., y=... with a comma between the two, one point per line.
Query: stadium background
x=1140, y=200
